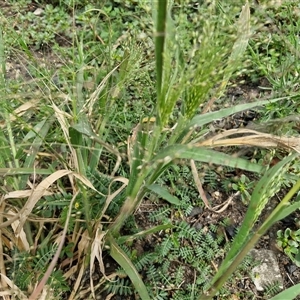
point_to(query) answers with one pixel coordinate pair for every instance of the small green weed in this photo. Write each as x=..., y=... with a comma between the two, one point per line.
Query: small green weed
x=243, y=186
x=289, y=242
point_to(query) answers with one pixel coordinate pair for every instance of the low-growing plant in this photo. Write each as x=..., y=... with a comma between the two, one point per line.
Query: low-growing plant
x=273, y=288
x=288, y=242
x=274, y=52
x=243, y=186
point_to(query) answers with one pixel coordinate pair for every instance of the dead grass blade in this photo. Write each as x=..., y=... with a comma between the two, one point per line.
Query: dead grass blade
x=82, y=251
x=2, y=266
x=86, y=182
x=9, y=239
x=22, y=242
x=96, y=252
x=34, y=197
x=85, y=239
x=22, y=194
x=217, y=209
x=37, y=194
x=110, y=196
x=5, y=295
x=46, y=276
x=47, y=294
x=21, y=110
x=71, y=272
x=62, y=118
x=77, y=283
x=15, y=291
x=252, y=138
x=95, y=95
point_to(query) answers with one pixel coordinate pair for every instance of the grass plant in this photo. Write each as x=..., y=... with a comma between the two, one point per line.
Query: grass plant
x=104, y=131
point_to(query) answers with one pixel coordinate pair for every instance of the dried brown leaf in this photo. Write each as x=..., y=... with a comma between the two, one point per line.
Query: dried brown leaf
x=22, y=242
x=36, y=195
x=21, y=110
x=96, y=252
x=252, y=138
x=23, y=194
x=110, y=196
x=82, y=245
x=77, y=283
x=15, y=291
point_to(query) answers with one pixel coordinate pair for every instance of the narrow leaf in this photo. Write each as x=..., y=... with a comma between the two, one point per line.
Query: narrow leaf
x=35, y=147
x=163, y=193
x=160, y=37
x=23, y=171
x=84, y=128
x=205, y=155
x=201, y=120
x=240, y=44
x=75, y=137
x=140, y=234
x=287, y=211
x=267, y=186
x=122, y=259
x=289, y=294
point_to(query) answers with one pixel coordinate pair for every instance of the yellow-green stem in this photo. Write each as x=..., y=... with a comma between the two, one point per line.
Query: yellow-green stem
x=250, y=244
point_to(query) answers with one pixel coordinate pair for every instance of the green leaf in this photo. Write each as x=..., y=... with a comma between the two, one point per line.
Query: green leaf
x=297, y=259
x=36, y=129
x=201, y=120
x=128, y=238
x=205, y=155
x=123, y=260
x=294, y=246
x=240, y=45
x=160, y=36
x=41, y=132
x=5, y=150
x=163, y=193
x=287, y=233
x=287, y=211
x=84, y=128
x=24, y=171
x=75, y=137
x=289, y=294
x=267, y=186
x=284, y=206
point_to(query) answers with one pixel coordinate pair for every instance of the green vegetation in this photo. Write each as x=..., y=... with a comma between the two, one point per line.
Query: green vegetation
x=110, y=143
x=288, y=241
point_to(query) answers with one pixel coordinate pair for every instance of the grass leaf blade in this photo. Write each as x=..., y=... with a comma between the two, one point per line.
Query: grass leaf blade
x=207, y=156
x=164, y=193
x=289, y=294
x=268, y=185
x=160, y=42
x=201, y=120
x=122, y=259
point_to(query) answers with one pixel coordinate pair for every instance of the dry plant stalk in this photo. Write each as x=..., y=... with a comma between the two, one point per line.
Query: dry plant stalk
x=50, y=268
x=252, y=138
x=217, y=209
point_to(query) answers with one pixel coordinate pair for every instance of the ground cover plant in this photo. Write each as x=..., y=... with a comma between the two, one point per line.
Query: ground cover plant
x=116, y=105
